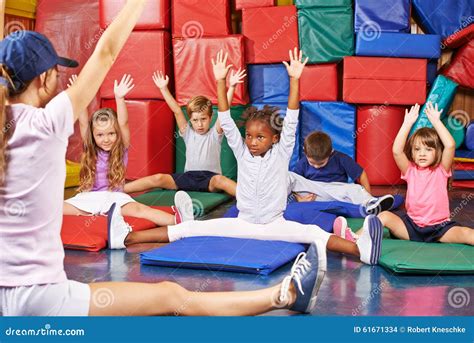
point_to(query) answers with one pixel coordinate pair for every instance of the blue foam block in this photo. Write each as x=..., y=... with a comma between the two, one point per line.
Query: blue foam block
x=463, y=175
x=443, y=17
x=431, y=71
x=224, y=254
x=268, y=83
x=337, y=119
x=469, y=141
x=464, y=153
x=297, y=149
x=398, y=45
x=382, y=15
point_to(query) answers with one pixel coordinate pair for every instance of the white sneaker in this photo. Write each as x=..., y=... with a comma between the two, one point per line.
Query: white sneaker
x=378, y=205
x=370, y=241
x=183, y=207
x=118, y=229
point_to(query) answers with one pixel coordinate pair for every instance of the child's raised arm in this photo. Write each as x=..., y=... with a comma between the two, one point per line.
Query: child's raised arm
x=399, y=143
x=449, y=144
x=121, y=90
x=104, y=55
x=83, y=115
x=295, y=69
x=161, y=81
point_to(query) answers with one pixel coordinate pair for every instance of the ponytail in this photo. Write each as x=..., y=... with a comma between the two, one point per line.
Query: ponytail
x=4, y=127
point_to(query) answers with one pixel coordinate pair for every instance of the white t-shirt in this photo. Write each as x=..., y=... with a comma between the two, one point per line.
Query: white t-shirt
x=31, y=198
x=203, y=152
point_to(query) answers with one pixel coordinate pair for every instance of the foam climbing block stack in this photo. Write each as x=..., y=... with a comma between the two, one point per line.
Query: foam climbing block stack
x=191, y=55
x=377, y=127
x=54, y=18
x=152, y=137
x=470, y=136
x=391, y=44
x=381, y=16
x=461, y=67
x=268, y=83
x=319, y=83
x=442, y=93
x=282, y=113
x=196, y=19
x=453, y=21
x=241, y=4
x=155, y=16
x=144, y=53
x=270, y=32
x=302, y=4
x=320, y=39
x=337, y=119
x=228, y=162
x=378, y=80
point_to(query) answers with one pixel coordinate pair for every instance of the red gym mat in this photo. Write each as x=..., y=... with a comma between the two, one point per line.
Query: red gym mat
x=198, y=18
x=463, y=184
x=156, y=14
x=270, y=32
x=152, y=137
x=89, y=233
x=192, y=55
x=143, y=53
x=241, y=4
x=391, y=81
x=377, y=127
x=319, y=83
x=55, y=18
x=461, y=67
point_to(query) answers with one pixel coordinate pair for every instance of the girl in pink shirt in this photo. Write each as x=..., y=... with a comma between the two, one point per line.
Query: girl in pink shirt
x=425, y=161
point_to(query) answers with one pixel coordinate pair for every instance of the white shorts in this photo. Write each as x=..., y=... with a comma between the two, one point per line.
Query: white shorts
x=99, y=202
x=69, y=298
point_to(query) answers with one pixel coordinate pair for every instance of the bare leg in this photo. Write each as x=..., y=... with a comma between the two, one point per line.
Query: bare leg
x=341, y=245
x=395, y=224
x=149, y=182
x=459, y=234
x=168, y=298
x=222, y=183
x=138, y=210
x=69, y=210
x=158, y=235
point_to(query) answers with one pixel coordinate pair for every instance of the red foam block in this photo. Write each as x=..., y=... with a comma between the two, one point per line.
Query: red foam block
x=319, y=83
x=90, y=233
x=463, y=184
x=193, y=68
x=198, y=18
x=270, y=32
x=151, y=149
x=460, y=38
x=144, y=53
x=156, y=14
x=241, y=4
x=379, y=80
x=377, y=127
x=461, y=67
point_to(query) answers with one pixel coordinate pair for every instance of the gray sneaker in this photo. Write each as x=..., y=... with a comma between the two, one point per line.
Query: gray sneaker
x=183, y=207
x=117, y=228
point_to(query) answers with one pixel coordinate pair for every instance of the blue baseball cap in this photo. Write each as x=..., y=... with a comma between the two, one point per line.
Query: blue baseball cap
x=28, y=54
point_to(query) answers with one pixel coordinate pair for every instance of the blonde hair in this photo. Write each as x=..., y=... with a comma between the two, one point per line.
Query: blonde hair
x=199, y=104
x=116, y=167
x=429, y=137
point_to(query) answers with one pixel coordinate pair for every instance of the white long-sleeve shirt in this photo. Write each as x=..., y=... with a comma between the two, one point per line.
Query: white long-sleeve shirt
x=261, y=181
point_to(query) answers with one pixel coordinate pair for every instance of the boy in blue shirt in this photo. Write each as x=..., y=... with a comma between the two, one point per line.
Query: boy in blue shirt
x=324, y=174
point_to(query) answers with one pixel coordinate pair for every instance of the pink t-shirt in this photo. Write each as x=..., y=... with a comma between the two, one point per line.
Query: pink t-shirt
x=427, y=201
x=31, y=198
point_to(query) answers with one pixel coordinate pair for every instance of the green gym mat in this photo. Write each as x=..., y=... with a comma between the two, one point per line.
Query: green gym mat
x=203, y=202
x=228, y=162
x=407, y=257
x=326, y=33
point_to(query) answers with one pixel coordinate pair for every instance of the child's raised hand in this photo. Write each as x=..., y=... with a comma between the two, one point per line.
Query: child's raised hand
x=296, y=66
x=126, y=85
x=412, y=115
x=219, y=66
x=432, y=112
x=236, y=77
x=72, y=79
x=160, y=80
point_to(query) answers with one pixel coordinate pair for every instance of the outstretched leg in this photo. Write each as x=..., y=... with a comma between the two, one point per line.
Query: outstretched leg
x=459, y=234
x=149, y=182
x=138, y=210
x=222, y=183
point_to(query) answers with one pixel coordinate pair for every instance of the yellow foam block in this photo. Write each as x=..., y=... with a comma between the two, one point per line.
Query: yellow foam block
x=284, y=2
x=21, y=8
x=463, y=159
x=72, y=174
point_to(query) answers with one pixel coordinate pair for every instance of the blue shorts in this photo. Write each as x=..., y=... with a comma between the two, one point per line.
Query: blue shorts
x=429, y=234
x=196, y=180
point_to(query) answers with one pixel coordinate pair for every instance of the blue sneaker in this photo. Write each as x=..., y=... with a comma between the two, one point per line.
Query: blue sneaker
x=370, y=241
x=307, y=275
